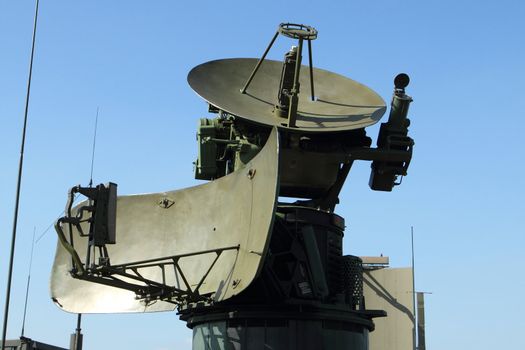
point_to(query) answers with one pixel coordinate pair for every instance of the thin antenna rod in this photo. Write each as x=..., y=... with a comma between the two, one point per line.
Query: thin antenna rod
x=76, y=342
x=243, y=90
x=17, y=201
x=311, y=69
x=28, y=281
x=93, y=151
x=413, y=288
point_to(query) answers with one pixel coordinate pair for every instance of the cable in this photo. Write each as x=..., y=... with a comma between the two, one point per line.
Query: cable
x=53, y=222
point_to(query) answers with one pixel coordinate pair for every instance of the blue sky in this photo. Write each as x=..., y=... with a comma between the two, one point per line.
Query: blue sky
x=463, y=194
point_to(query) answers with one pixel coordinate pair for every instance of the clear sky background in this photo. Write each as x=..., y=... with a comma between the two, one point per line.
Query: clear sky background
x=464, y=193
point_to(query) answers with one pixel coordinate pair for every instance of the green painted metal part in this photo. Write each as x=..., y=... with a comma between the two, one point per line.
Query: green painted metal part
x=222, y=148
x=206, y=165
x=237, y=209
x=314, y=258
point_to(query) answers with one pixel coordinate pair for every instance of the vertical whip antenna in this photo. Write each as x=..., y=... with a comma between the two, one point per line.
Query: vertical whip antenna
x=28, y=282
x=77, y=337
x=17, y=200
x=93, y=149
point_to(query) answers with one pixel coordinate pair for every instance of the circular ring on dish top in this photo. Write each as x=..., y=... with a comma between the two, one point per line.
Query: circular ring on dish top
x=297, y=31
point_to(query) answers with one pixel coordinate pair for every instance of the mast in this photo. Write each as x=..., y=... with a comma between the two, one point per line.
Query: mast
x=18, y=186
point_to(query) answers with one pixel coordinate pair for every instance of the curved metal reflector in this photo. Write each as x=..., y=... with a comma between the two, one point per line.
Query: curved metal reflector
x=341, y=103
x=235, y=210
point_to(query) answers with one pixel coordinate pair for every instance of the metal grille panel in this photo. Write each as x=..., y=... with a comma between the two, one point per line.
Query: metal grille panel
x=353, y=281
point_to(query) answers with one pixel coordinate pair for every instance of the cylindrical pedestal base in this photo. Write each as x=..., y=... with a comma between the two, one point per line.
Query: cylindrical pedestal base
x=259, y=329
x=284, y=335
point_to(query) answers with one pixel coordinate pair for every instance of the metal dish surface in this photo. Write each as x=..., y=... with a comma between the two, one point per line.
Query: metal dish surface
x=340, y=104
x=237, y=209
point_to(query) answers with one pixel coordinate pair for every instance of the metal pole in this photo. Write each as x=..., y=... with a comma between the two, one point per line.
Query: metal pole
x=243, y=90
x=294, y=98
x=413, y=289
x=78, y=342
x=311, y=69
x=421, y=321
x=17, y=201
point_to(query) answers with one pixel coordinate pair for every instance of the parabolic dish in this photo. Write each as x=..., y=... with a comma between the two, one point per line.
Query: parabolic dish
x=341, y=103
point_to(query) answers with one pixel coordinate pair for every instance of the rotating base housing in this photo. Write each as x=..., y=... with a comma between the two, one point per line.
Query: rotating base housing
x=307, y=296
x=279, y=328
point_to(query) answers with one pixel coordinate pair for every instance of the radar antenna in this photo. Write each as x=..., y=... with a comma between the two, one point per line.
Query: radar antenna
x=232, y=251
